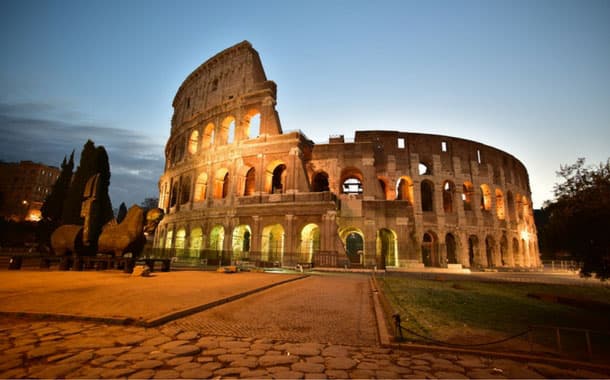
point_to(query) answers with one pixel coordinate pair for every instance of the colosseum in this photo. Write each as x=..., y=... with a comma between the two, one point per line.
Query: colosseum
x=237, y=188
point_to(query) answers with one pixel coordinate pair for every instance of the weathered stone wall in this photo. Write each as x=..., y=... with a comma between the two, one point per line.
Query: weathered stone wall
x=393, y=199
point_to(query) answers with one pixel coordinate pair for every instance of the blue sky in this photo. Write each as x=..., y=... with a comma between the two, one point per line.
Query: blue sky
x=528, y=77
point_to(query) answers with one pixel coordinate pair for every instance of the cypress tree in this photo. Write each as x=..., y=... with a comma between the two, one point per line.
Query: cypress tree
x=122, y=213
x=53, y=206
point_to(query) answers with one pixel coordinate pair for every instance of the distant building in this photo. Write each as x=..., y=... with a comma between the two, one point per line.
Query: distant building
x=237, y=187
x=23, y=188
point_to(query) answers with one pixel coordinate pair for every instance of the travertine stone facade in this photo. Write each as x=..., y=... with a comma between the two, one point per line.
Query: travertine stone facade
x=235, y=186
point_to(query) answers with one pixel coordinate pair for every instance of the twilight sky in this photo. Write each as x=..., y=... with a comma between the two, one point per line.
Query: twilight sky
x=531, y=78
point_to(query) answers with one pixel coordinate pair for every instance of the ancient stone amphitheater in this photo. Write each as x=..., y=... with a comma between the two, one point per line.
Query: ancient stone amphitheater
x=236, y=188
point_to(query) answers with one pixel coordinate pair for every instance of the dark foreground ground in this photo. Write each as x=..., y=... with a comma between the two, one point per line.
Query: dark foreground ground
x=320, y=326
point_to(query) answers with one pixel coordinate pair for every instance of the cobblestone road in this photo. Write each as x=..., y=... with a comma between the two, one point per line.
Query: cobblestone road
x=323, y=309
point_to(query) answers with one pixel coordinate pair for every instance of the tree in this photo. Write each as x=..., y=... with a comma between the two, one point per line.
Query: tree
x=53, y=206
x=92, y=161
x=149, y=203
x=579, y=217
x=122, y=213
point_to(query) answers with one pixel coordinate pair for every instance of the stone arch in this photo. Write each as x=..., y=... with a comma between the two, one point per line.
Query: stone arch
x=169, y=238
x=272, y=243
x=275, y=177
x=195, y=242
x=185, y=189
x=253, y=124
x=250, y=182
x=352, y=181
x=448, y=196
x=451, y=246
x=467, y=193
x=193, y=142
x=510, y=200
x=221, y=183
x=179, y=241
x=490, y=251
x=309, y=243
x=504, y=259
x=320, y=182
x=404, y=189
x=201, y=186
x=227, y=130
x=427, y=195
x=240, y=242
x=174, y=193
x=485, y=197
x=208, y=136
x=386, y=189
x=473, y=250
x=429, y=250
x=217, y=238
x=500, y=204
x=387, y=247
x=516, y=253
x=353, y=241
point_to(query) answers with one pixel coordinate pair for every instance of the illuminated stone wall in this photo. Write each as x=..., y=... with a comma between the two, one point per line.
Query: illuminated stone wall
x=235, y=184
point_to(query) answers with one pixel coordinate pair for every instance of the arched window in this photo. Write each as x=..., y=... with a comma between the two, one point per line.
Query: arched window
x=272, y=244
x=448, y=195
x=404, y=189
x=250, y=183
x=277, y=181
x=504, y=251
x=424, y=168
x=201, y=187
x=241, y=240
x=228, y=130
x=511, y=205
x=180, y=239
x=386, y=189
x=253, y=121
x=193, y=142
x=195, y=242
x=485, y=198
x=354, y=246
x=500, y=204
x=490, y=250
x=217, y=238
x=427, y=196
x=185, y=190
x=221, y=184
x=429, y=250
x=467, y=190
x=310, y=242
x=387, y=247
x=451, y=246
x=320, y=182
x=473, y=250
x=173, y=200
x=208, y=136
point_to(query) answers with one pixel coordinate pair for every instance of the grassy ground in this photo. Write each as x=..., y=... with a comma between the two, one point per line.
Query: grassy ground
x=465, y=311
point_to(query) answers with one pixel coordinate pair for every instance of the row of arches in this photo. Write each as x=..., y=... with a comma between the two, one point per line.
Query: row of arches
x=218, y=186
x=240, y=243
x=223, y=133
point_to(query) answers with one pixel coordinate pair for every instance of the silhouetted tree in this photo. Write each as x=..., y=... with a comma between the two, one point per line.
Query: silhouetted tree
x=579, y=217
x=122, y=213
x=149, y=203
x=53, y=206
x=92, y=161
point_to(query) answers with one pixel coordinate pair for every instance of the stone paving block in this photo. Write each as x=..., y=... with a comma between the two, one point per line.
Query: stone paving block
x=172, y=344
x=255, y=353
x=261, y=346
x=166, y=374
x=179, y=360
x=208, y=342
x=20, y=349
x=337, y=351
x=115, y=364
x=211, y=366
x=185, y=350
x=143, y=349
x=215, y=352
x=230, y=371
x=185, y=366
x=116, y=373
x=367, y=365
x=86, y=373
x=143, y=374
x=130, y=340
x=160, y=355
x=288, y=375
x=132, y=357
x=227, y=358
x=147, y=364
x=78, y=358
x=362, y=374
x=10, y=363
x=156, y=341
x=102, y=360
x=248, y=362
x=79, y=343
x=205, y=359
x=15, y=373
x=314, y=359
x=275, y=360
x=383, y=374
x=255, y=374
x=112, y=351
x=304, y=349
x=234, y=344
x=196, y=374
x=340, y=363
x=308, y=367
x=188, y=335
x=336, y=374
x=53, y=371
x=315, y=376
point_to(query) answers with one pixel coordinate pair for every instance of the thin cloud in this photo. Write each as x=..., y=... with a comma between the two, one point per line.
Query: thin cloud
x=38, y=133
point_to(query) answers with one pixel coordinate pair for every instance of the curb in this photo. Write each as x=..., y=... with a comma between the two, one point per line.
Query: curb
x=154, y=322
x=386, y=340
